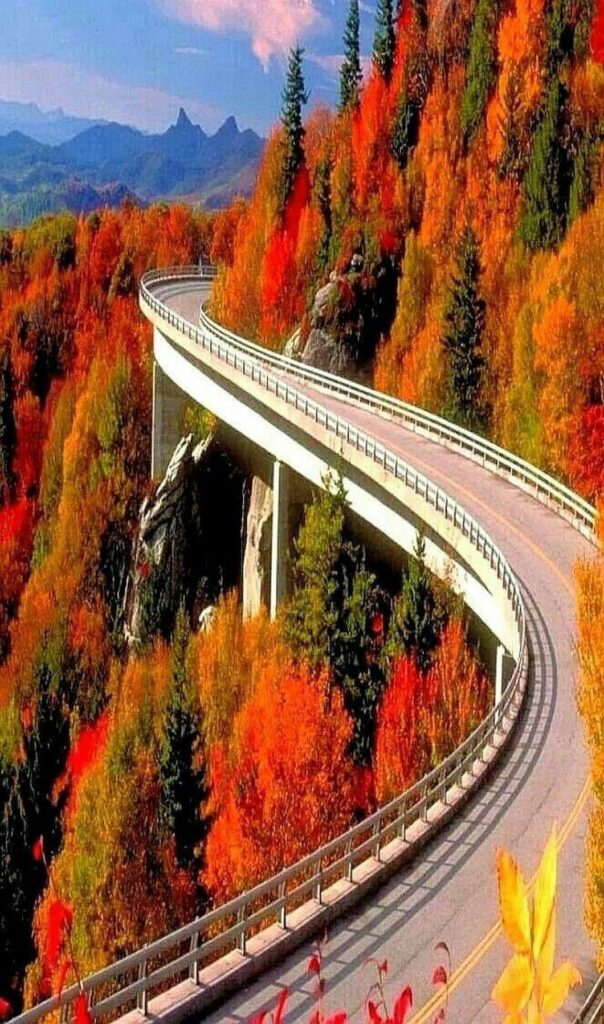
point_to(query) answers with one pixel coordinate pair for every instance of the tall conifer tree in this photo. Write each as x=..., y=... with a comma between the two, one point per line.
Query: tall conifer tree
x=350, y=72
x=384, y=43
x=465, y=320
x=294, y=99
x=547, y=181
x=183, y=780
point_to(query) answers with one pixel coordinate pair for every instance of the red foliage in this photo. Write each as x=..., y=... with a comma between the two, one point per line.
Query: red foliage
x=297, y=202
x=596, y=39
x=88, y=747
x=5, y=1009
x=82, y=1010
x=58, y=926
x=586, y=455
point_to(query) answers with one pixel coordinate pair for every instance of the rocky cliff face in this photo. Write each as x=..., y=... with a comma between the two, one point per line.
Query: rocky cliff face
x=256, y=560
x=189, y=547
x=349, y=316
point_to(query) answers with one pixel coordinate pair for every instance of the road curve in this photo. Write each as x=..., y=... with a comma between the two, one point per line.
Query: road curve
x=449, y=893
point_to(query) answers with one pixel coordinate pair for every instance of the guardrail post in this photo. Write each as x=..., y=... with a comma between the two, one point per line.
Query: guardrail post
x=319, y=885
x=241, y=917
x=349, y=872
x=283, y=912
x=194, y=968
x=377, y=831
x=142, y=999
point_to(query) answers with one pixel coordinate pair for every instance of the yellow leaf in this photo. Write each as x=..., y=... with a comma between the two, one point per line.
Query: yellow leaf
x=513, y=903
x=544, y=965
x=514, y=1018
x=545, y=894
x=513, y=990
x=565, y=978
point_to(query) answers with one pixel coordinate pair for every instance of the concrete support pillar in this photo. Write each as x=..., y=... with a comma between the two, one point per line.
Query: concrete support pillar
x=280, y=537
x=499, y=673
x=169, y=404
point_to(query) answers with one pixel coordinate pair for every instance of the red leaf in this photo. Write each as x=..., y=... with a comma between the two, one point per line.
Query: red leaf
x=280, y=1008
x=374, y=1016
x=383, y=967
x=314, y=964
x=82, y=1010
x=60, y=917
x=64, y=970
x=403, y=1005
x=259, y=1018
x=5, y=1009
x=316, y=1018
x=37, y=850
x=440, y=976
x=440, y=1016
x=337, y=1018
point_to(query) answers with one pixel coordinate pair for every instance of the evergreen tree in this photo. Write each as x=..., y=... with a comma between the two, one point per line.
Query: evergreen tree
x=294, y=98
x=546, y=184
x=351, y=74
x=480, y=70
x=513, y=159
x=405, y=131
x=582, y=186
x=183, y=771
x=417, y=619
x=330, y=621
x=384, y=43
x=465, y=320
x=8, y=431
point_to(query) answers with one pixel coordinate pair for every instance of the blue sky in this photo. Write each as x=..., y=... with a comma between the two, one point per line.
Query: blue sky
x=137, y=61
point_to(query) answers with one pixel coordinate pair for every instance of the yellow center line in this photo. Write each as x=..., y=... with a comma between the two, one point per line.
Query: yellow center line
x=488, y=941
x=483, y=947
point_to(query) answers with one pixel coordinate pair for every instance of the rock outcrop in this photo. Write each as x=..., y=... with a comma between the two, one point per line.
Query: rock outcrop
x=349, y=316
x=189, y=546
x=256, y=560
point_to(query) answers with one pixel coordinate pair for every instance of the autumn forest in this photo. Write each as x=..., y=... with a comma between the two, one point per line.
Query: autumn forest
x=446, y=227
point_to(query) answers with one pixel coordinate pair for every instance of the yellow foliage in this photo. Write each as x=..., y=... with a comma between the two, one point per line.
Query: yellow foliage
x=529, y=982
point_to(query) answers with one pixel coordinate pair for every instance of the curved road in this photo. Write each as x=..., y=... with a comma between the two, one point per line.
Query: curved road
x=449, y=893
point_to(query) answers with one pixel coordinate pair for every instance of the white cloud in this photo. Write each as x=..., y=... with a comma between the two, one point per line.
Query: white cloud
x=191, y=51
x=78, y=91
x=274, y=25
x=332, y=62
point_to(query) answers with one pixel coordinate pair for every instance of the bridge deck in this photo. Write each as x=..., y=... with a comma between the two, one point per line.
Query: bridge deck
x=450, y=892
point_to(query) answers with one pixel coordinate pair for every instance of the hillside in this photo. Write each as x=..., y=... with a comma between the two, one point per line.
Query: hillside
x=49, y=126
x=469, y=163
x=106, y=163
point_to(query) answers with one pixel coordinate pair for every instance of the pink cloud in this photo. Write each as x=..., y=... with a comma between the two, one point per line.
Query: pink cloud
x=274, y=25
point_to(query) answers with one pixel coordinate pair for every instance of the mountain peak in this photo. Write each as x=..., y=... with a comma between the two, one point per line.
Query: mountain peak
x=184, y=120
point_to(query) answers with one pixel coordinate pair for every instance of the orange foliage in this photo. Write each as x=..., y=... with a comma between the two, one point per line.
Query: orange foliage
x=424, y=716
x=285, y=786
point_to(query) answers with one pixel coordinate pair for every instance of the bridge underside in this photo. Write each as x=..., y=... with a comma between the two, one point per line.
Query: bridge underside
x=269, y=435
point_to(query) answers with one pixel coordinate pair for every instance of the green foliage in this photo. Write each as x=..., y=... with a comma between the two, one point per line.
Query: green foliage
x=8, y=430
x=384, y=42
x=351, y=74
x=199, y=422
x=330, y=622
x=51, y=482
x=546, y=184
x=582, y=185
x=465, y=319
x=405, y=132
x=293, y=100
x=480, y=70
x=183, y=771
x=418, y=615
x=56, y=233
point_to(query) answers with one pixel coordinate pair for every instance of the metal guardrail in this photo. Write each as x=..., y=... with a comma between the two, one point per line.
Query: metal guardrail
x=592, y=1011
x=545, y=487
x=183, y=953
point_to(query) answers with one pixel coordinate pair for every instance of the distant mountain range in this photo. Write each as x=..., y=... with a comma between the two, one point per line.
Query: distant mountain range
x=49, y=126
x=107, y=162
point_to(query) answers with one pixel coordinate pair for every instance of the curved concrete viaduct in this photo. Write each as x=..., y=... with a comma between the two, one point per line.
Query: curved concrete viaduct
x=508, y=537
x=450, y=892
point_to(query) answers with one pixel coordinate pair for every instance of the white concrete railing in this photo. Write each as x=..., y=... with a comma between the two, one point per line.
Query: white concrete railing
x=546, y=488
x=188, y=950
